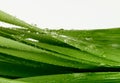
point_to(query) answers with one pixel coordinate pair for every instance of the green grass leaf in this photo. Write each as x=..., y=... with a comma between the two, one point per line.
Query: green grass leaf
x=99, y=77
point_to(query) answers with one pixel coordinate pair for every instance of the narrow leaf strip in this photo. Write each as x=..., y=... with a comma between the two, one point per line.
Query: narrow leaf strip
x=100, y=77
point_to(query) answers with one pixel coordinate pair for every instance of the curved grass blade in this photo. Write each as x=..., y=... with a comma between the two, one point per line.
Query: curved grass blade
x=82, y=45
x=19, y=67
x=4, y=80
x=85, y=46
x=99, y=77
x=107, y=40
x=63, y=50
x=39, y=55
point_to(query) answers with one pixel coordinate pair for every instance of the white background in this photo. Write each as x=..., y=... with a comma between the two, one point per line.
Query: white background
x=67, y=14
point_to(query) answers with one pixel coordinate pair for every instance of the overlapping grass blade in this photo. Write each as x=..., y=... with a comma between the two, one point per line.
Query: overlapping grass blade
x=4, y=80
x=46, y=52
x=107, y=40
x=19, y=67
x=99, y=77
x=27, y=52
x=82, y=45
x=72, y=52
x=71, y=41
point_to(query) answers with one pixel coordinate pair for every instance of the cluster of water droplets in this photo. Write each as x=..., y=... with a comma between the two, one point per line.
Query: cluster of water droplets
x=83, y=45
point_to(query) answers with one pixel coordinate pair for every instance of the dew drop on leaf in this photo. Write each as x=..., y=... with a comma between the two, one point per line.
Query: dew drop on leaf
x=31, y=39
x=28, y=31
x=102, y=64
x=37, y=32
x=88, y=39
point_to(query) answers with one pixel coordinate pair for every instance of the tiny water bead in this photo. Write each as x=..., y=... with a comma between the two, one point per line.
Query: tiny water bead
x=88, y=38
x=31, y=39
x=54, y=33
x=82, y=45
x=103, y=64
x=12, y=35
x=28, y=31
x=65, y=40
x=37, y=32
x=63, y=36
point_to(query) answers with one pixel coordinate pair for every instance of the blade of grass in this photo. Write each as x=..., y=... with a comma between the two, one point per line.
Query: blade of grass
x=71, y=52
x=85, y=46
x=107, y=40
x=99, y=77
x=25, y=68
x=4, y=80
x=60, y=55
x=82, y=45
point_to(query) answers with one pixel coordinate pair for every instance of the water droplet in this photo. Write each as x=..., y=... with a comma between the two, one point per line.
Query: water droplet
x=88, y=39
x=28, y=31
x=102, y=64
x=37, y=32
x=54, y=33
x=31, y=39
x=63, y=36
x=91, y=46
x=12, y=35
x=65, y=40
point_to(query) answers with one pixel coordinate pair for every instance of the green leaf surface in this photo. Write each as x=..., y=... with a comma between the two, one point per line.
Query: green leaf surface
x=53, y=56
x=100, y=77
x=72, y=52
x=4, y=80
